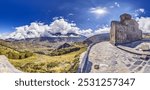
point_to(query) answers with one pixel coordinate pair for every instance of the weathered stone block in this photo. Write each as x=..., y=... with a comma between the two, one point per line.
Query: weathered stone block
x=125, y=30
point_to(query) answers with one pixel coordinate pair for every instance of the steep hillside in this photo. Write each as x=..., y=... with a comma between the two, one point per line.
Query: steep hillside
x=14, y=54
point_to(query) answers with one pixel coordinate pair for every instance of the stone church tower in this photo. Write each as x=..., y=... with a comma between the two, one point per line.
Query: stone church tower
x=124, y=31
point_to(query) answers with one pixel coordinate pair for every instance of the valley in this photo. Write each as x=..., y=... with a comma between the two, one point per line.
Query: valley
x=43, y=57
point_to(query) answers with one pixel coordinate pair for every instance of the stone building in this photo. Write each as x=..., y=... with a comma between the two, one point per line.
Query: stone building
x=124, y=31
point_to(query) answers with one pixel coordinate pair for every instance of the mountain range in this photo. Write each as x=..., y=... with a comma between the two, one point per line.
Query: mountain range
x=46, y=36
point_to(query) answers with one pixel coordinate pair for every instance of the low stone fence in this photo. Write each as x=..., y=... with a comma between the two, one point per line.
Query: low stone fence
x=133, y=51
x=83, y=65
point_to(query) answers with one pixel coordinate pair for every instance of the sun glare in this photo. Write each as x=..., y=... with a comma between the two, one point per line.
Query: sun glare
x=98, y=11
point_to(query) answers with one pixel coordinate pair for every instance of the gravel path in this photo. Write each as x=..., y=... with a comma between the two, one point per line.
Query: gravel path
x=106, y=58
x=6, y=67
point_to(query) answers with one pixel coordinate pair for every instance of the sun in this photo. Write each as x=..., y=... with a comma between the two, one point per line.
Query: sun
x=99, y=11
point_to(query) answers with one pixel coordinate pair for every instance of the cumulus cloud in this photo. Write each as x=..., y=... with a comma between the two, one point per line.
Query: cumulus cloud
x=63, y=27
x=29, y=31
x=59, y=25
x=104, y=29
x=36, y=29
x=144, y=24
x=90, y=32
x=87, y=32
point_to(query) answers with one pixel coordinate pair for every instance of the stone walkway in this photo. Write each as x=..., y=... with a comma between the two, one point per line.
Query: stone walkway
x=106, y=58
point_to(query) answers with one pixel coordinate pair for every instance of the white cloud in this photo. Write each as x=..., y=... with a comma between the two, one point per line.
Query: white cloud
x=144, y=24
x=36, y=29
x=138, y=12
x=98, y=11
x=117, y=4
x=63, y=27
x=33, y=30
x=3, y=35
x=104, y=29
x=90, y=32
x=70, y=14
x=111, y=6
x=142, y=10
x=87, y=32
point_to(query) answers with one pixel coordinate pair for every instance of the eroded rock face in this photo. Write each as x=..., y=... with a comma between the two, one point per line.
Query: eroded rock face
x=125, y=30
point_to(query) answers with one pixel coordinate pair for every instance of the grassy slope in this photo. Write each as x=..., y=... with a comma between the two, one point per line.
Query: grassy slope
x=4, y=50
x=42, y=63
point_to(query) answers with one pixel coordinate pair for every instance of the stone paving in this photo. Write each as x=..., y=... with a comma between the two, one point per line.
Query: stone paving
x=110, y=59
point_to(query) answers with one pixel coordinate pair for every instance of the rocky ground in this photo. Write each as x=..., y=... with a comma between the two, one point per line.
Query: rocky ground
x=6, y=67
x=106, y=58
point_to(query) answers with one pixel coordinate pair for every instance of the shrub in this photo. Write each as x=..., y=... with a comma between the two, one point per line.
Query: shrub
x=52, y=64
x=75, y=66
x=10, y=55
x=64, y=51
x=15, y=56
x=22, y=56
x=28, y=54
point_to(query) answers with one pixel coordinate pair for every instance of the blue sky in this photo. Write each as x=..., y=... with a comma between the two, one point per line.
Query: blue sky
x=85, y=13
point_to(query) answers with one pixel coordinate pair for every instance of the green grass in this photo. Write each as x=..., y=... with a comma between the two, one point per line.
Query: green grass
x=65, y=61
x=51, y=64
x=13, y=54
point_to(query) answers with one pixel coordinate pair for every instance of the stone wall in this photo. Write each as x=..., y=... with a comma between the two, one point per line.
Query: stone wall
x=124, y=31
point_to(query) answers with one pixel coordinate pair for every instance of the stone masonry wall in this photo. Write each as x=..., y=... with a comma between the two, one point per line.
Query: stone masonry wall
x=124, y=31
